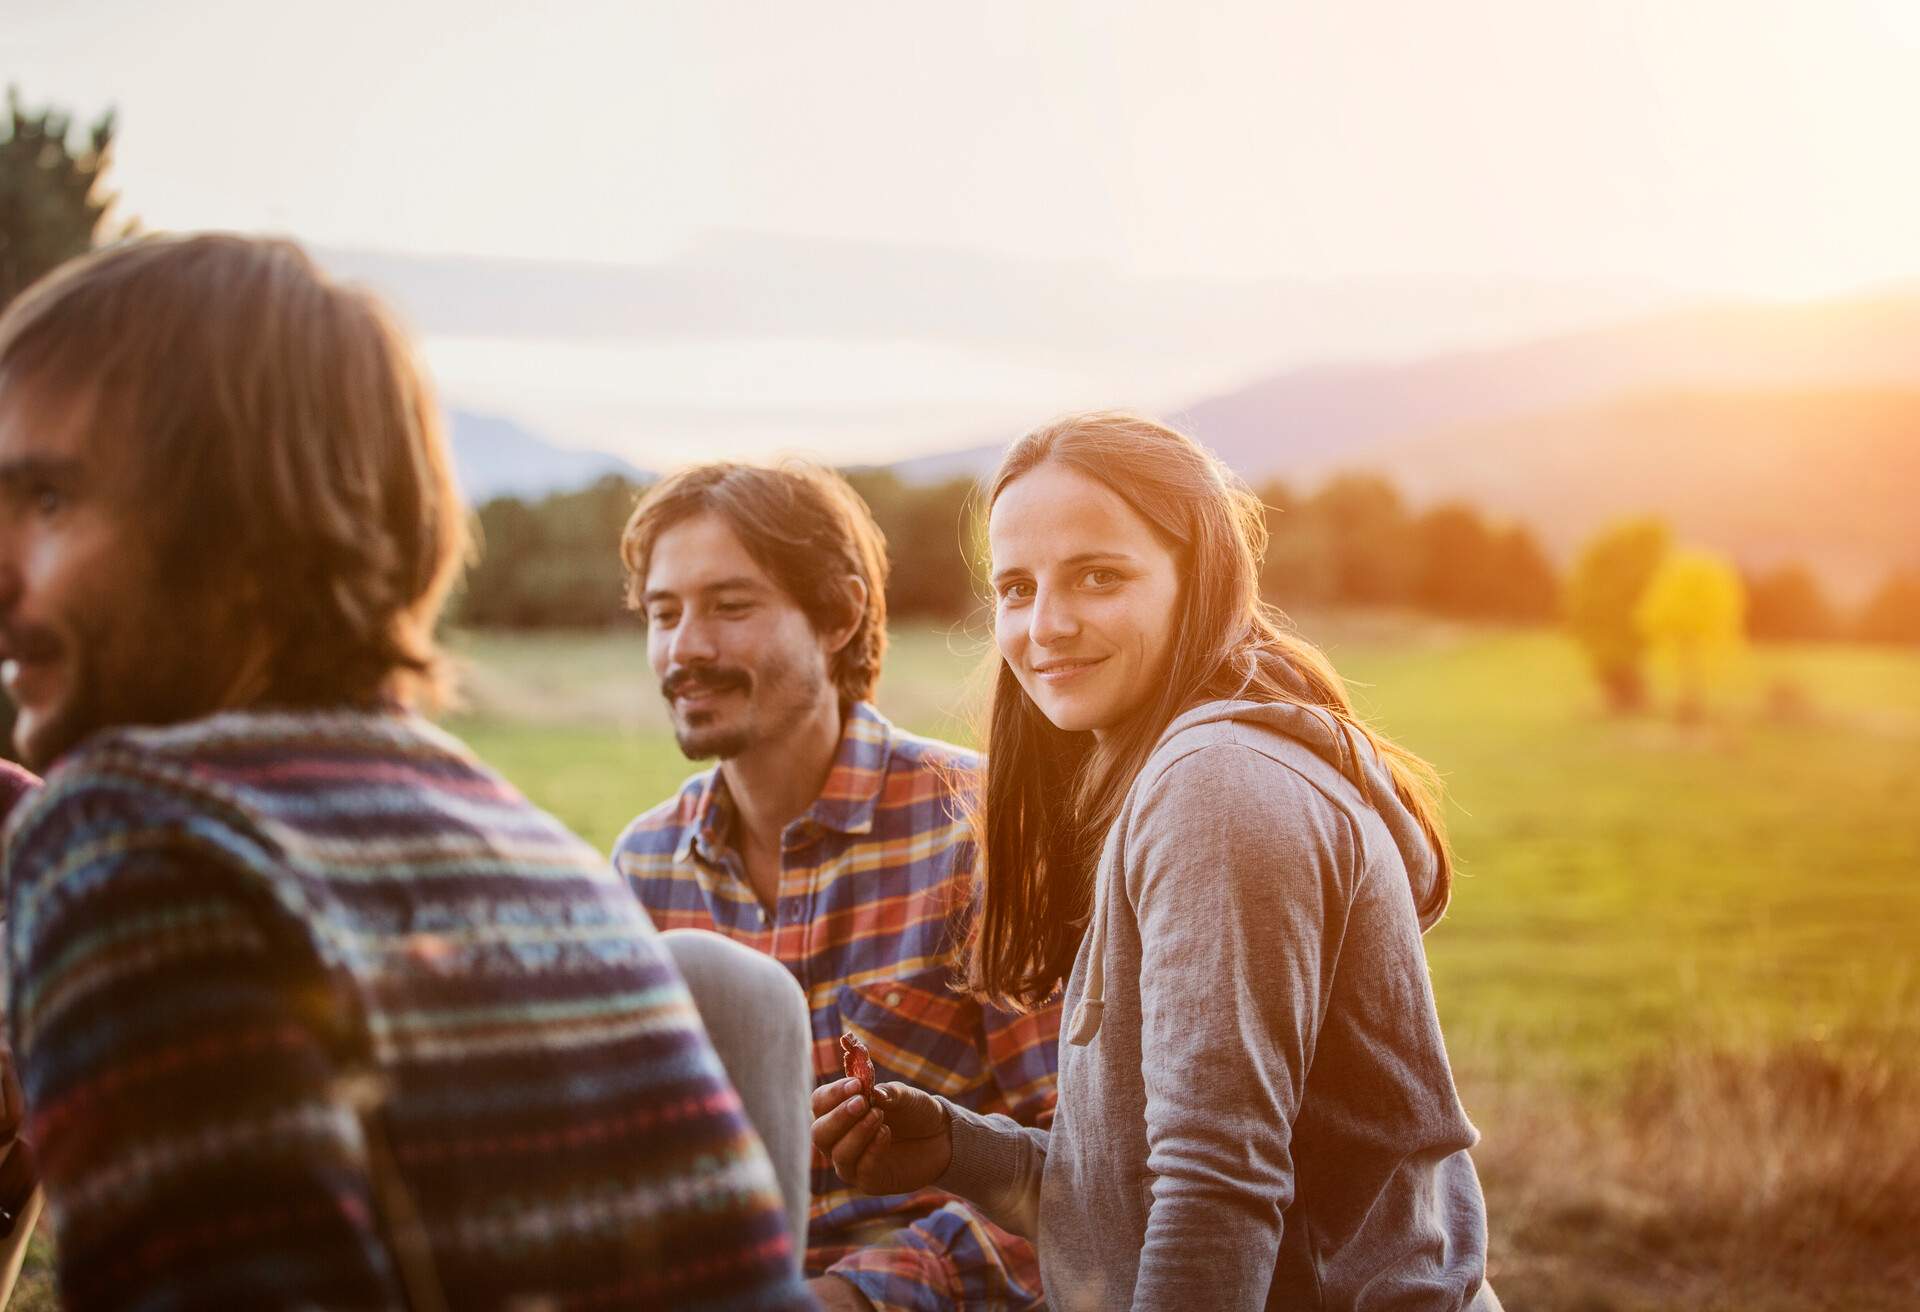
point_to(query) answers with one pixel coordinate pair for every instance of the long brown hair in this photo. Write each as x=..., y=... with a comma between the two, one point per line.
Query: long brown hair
x=1049, y=798
x=284, y=446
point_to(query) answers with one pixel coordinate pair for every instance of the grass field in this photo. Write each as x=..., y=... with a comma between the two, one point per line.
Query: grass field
x=1677, y=979
x=1623, y=883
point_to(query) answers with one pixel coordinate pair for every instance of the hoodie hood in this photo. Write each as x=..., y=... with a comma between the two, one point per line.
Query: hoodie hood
x=1350, y=754
x=1345, y=751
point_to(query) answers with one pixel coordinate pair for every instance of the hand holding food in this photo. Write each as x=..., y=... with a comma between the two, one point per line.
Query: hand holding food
x=881, y=1138
x=858, y=1064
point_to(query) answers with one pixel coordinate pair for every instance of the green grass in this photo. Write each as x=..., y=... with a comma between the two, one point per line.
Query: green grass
x=1623, y=883
x=1677, y=978
x=1627, y=883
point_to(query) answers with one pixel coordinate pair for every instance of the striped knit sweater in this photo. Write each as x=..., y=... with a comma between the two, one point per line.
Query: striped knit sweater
x=312, y=1009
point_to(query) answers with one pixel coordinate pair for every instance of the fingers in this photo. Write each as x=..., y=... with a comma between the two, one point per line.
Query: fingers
x=842, y=1114
x=912, y=1113
x=849, y=1128
x=868, y=1134
x=899, y=1139
x=829, y=1096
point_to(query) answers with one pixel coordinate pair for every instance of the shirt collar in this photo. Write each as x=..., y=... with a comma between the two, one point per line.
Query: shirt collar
x=847, y=801
x=706, y=837
x=852, y=792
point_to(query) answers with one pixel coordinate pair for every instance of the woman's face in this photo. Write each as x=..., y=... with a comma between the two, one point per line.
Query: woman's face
x=1084, y=593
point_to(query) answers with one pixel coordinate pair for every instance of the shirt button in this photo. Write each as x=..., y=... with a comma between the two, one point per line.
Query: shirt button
x=893, y=999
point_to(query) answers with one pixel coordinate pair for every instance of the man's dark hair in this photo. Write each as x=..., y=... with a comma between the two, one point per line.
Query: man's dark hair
x=280, y=439
x=803, y=525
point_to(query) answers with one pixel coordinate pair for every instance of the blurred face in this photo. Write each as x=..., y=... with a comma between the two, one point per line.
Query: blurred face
x=87, y=639
x=738, y=661
x=1085, y=595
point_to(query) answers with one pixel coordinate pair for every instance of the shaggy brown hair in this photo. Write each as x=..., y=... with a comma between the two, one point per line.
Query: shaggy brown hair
x=281, y=441
x=804, y=525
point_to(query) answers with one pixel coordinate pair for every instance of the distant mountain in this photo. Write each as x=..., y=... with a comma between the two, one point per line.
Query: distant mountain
x=495, y=457
x=1305, y=422
x=1827, y=476
x=1771, y=432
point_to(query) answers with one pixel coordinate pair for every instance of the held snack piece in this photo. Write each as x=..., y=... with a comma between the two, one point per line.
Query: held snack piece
x=858, y=1063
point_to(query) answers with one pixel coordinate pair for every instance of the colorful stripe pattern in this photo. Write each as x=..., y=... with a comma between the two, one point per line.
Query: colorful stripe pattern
x=875, y=885
x=315, y=1010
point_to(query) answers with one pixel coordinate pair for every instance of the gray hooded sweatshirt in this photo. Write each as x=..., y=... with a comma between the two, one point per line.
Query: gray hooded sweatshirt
x=1255, y=1109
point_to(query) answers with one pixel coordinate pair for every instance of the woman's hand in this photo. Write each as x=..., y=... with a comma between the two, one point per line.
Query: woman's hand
x=902, y=1145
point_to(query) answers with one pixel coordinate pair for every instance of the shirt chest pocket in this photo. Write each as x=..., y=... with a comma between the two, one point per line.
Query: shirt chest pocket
x=919, y=1032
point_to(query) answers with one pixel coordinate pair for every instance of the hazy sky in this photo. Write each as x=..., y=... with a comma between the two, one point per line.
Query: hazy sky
x=1612, y=148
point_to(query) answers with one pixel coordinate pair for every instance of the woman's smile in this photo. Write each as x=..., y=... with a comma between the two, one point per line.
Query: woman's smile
x=1055, y=673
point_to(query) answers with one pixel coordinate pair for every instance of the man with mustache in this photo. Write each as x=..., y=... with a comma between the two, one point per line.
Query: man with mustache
x=827, y=839
x=311, y=1008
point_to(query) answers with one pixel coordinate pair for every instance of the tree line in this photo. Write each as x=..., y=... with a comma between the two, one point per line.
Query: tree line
x=553, y=563
x=1356, y=541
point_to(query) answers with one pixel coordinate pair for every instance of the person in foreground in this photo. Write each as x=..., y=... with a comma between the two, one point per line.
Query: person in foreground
x=829, y=840
x=1185, y=821
x=311, y=1008
x=20, y=1195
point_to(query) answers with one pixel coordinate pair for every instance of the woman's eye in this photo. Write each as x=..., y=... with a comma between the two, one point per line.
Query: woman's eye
x=1016, y=591
x=48, y=500
x=663, y=619
x=1100, y=578
x=733, y=607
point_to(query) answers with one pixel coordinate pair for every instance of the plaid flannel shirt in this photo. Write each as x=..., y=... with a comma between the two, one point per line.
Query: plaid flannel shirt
x=875, y=885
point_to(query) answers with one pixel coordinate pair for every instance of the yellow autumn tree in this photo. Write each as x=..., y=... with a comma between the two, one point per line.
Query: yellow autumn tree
x=1602, y=597
x=1693, y=616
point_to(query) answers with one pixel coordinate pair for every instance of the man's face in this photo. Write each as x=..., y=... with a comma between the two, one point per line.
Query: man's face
x=87, y=641
x=738, y=661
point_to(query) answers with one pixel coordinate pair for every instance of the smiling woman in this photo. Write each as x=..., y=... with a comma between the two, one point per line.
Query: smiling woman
x=1125, y=558
x=1085, y=598
x=1191, y=838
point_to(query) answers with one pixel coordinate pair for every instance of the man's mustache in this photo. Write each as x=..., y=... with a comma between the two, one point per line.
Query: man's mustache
x=706, y=678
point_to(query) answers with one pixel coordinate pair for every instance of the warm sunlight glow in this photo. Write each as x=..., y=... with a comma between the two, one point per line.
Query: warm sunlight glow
x=1901, y=19
x=874, y=231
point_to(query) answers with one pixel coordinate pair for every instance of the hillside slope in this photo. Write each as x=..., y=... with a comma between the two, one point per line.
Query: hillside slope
x=1826, y=475
x=1303, y=422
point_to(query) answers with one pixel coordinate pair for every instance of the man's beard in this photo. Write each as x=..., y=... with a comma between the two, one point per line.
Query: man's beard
x=701, y=741
x=771, y=703
x=151, y=665
x=715, y=742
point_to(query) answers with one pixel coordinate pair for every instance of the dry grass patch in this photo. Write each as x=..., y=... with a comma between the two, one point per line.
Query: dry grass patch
x=1784, y=1178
